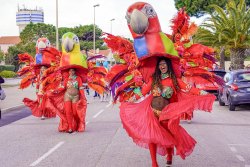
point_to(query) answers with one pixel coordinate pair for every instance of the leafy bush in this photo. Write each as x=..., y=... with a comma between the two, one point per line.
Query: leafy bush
x=7, y=67
x=8, y=74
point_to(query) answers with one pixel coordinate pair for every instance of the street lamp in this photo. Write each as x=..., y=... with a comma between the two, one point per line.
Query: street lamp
x=94, y=27
x=111, y=25
x=57, y=38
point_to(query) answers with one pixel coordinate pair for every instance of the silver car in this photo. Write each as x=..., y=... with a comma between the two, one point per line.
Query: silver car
x=236, y=90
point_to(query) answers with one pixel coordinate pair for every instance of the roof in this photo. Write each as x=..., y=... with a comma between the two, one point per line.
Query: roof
x=10, y=40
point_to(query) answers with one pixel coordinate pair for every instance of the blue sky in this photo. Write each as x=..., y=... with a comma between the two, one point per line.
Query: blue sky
x=81, y=12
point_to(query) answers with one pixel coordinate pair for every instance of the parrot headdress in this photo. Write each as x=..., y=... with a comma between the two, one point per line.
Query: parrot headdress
x=149, y=40
x=72, y=56
x=40, y=60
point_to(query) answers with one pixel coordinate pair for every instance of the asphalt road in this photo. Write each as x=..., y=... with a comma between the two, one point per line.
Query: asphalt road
x=223, y=140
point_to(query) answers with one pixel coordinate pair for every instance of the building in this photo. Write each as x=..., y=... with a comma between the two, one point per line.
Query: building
x=25, y=16
x=7, y=41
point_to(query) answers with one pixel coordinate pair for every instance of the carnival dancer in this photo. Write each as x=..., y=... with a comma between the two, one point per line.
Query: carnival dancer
x=69, y=101
x=149, y=86
x=34, y=72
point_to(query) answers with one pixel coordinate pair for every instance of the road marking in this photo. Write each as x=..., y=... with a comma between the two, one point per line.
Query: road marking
x=233, y=149
x=247, y=165
x=96, y=115
x=240, y=158
x=237, y=144
x=47, y=154
x=109, y=105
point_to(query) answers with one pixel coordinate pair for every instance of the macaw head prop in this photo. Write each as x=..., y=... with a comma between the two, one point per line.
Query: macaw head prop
x=71, y=54
x=41, y=44
x=142, y=18
x=70, y=43
x=40, y=58
x=149, y=41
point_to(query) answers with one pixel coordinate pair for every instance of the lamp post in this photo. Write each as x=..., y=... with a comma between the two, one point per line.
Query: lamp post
x=111, y=25
x=94, y=28
x=57, y=38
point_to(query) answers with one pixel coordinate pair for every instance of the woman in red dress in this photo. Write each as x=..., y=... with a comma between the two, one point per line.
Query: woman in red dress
x=153, y=121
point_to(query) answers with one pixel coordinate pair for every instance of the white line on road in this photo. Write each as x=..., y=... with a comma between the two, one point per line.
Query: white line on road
x=109, y=105
x=240, y=158
x=233, y=149
x=96, y=115
x=247, y=165
x=237, y=144
x=47, y=154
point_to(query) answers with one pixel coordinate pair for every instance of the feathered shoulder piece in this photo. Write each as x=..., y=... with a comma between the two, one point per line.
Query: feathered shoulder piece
x=182, y=29
x=53, y=55
x=26, y=58
x=118, y=44
x=124, y=79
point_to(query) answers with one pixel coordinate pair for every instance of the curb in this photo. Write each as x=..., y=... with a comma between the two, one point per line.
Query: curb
x=13, y=108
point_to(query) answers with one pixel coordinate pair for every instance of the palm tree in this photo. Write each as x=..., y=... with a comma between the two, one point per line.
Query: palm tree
x=229, y=28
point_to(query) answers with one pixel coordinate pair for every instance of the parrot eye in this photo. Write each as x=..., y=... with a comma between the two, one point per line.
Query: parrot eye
x=149, y=11
x=75, y=39
x=127, y=17
x=47, y=43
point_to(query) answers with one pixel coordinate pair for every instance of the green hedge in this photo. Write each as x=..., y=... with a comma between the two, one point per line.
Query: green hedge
x=7, y=67
x=8, y=74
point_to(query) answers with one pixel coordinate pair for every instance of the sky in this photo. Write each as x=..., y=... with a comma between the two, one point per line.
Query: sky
x=73, y=13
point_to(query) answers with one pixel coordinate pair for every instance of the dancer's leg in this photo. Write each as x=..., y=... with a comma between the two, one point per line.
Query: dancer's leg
x=152, y=149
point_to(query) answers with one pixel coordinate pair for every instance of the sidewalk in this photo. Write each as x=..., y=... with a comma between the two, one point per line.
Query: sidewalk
x=14, y=97
x=11, y=81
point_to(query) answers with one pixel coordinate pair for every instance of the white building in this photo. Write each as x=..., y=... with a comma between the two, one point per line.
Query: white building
x=25, y=16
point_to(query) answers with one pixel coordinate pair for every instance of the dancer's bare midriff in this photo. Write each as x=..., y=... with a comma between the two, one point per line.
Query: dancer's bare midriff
x=159, y=102
x=71, y=94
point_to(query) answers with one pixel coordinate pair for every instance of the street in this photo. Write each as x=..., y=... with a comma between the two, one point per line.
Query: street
x=223, y=140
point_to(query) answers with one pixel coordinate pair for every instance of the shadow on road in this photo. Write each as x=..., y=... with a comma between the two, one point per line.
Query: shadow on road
x=15, y=115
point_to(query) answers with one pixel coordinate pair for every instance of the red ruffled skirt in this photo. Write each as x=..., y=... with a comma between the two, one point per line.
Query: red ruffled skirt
x=55, y=103
x=37, y=109
x=144, y=127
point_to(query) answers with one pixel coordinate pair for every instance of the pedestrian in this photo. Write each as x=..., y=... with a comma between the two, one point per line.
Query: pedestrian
x=2, y=93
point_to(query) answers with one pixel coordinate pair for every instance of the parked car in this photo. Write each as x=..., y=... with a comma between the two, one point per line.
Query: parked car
x=236, y=90
x=215, y=89
x=219, y=72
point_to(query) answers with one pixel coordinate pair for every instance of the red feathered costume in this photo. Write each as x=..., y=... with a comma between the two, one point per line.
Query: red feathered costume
x=33, y=74
x=150, y=128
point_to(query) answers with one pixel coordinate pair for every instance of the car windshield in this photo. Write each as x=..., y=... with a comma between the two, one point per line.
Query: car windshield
x=243, y=77
x=220, y=73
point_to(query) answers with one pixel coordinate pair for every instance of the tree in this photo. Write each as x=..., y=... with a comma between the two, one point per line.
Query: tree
x=198, y=8
x=12, y=56
x=1, y=56
x=86, y=34
x=34, y=31
x=229, y=28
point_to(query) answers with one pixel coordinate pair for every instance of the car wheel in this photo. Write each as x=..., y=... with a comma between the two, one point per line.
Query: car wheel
x=221, y=103
x=231, y=106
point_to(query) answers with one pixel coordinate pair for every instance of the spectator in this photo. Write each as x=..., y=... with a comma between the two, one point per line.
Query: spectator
x=2, y=94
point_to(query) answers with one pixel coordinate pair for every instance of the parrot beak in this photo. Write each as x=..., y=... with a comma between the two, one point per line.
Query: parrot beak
x=41, y=45
x=139, y=22
x=68, y=44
